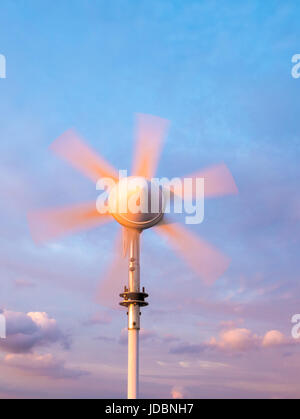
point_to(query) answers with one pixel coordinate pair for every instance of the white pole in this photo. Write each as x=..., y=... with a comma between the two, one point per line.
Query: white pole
x=133, y=316
x=133, y=364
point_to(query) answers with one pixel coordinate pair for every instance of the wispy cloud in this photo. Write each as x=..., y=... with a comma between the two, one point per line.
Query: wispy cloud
x=43, y=365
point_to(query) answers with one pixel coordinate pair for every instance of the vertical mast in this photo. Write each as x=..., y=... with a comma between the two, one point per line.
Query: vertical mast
x=133, y=317
x=133, y=300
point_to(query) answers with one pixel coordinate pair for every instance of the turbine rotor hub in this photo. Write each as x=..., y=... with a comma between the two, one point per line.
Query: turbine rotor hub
x=136, y=203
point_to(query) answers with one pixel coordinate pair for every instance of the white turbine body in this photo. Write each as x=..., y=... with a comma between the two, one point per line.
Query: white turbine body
x=136, y=203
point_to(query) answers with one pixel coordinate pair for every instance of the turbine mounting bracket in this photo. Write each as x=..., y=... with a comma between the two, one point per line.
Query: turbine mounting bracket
x=136, y=298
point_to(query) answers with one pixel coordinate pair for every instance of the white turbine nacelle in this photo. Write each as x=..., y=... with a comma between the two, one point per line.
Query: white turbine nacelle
x=136, y=203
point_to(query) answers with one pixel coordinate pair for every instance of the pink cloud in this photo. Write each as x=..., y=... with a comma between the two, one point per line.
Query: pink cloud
x=241, y=340
x=274, y=338
x=231, y=324
x=236, y=340
x=42, y=365
x=177, y=392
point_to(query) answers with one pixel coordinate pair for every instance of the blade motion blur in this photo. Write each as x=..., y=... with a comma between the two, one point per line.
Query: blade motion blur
x=131, y=202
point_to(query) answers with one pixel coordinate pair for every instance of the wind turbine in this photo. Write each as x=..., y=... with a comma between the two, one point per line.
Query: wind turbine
x=203, y=258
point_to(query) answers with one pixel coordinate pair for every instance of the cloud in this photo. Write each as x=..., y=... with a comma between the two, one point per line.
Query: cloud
x=274, y=338
x=211, y=365
x=230, y=324
x=42, y=365
x=23, y=283
x=235, y=340
x=27, y=331
x=242, y=340
x=178, y=392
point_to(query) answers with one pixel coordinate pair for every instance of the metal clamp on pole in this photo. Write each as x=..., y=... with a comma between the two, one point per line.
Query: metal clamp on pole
x=137, y=298
x=133, y=301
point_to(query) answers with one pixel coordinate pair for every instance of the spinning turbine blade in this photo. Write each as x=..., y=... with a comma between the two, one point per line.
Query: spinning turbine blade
x=70, y=147
x=150, y=133
x=218, y=181
x=203, y=258
x=49, y=224
x=115, y=276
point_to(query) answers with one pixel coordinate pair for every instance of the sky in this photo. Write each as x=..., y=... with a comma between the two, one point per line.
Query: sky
x=220, y=72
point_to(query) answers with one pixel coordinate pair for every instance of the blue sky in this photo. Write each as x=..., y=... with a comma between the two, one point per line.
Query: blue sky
x=220, y=71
